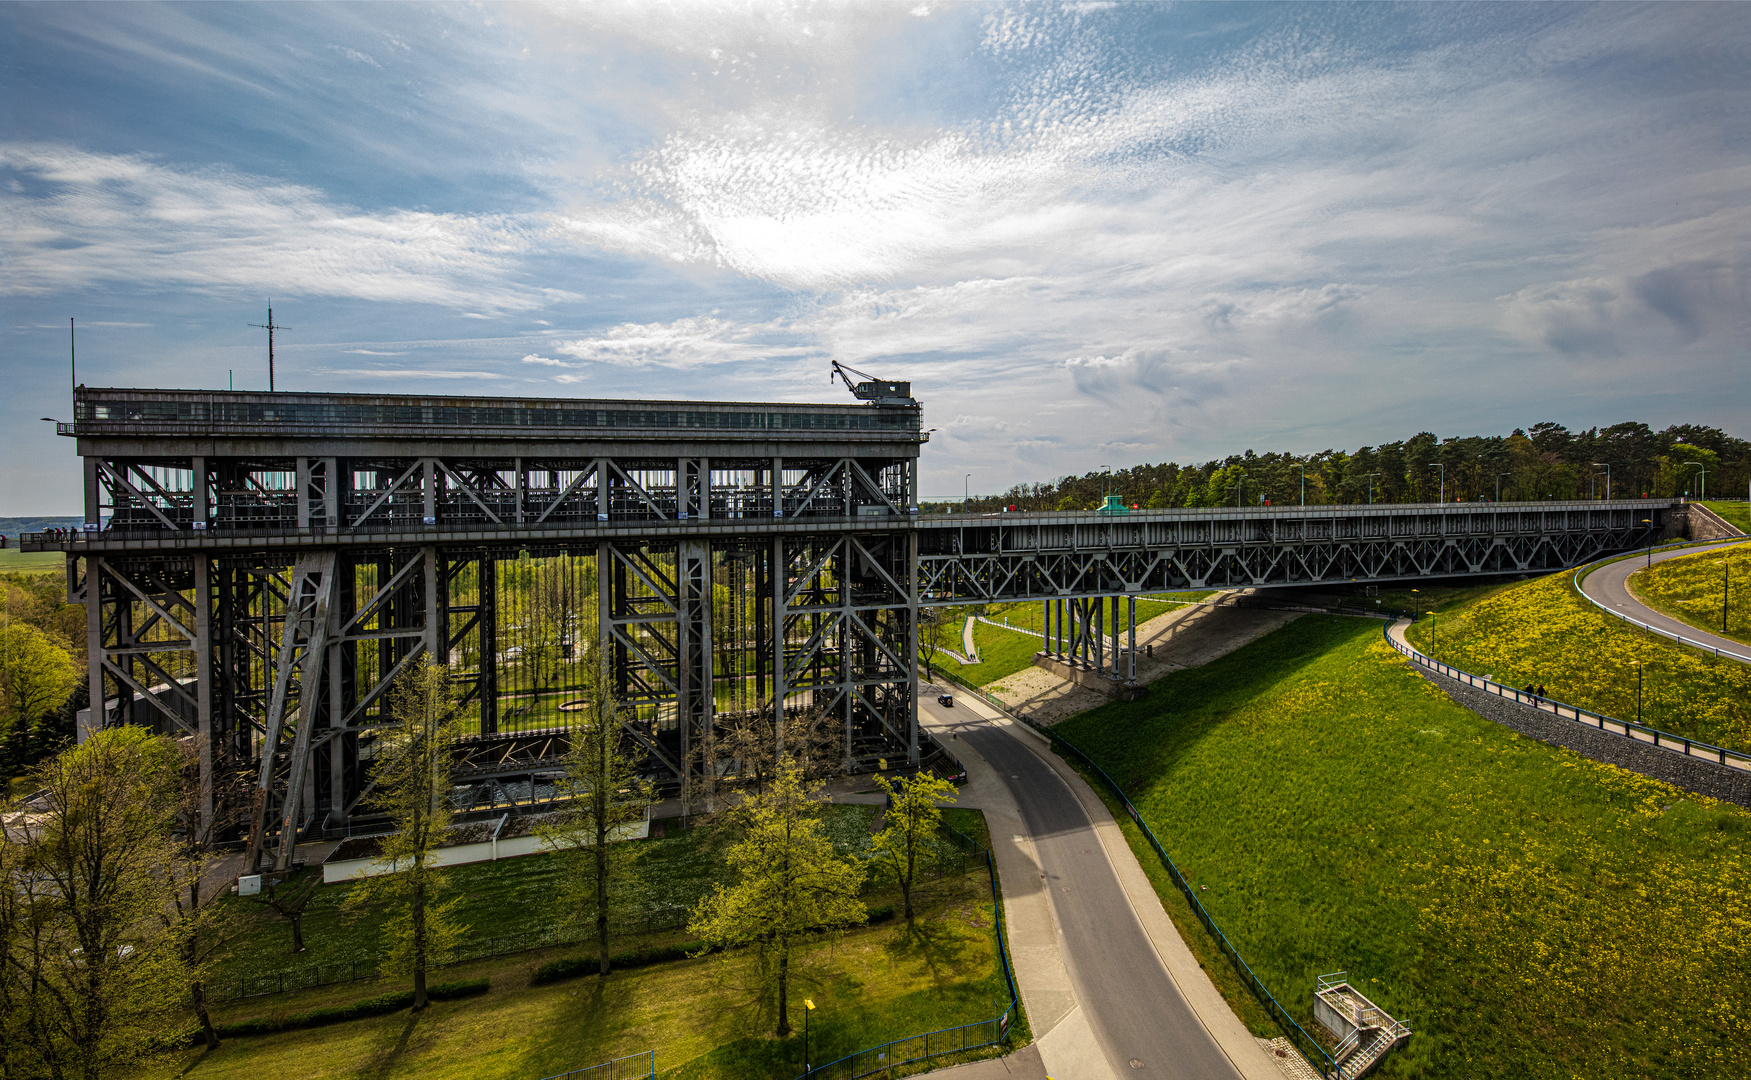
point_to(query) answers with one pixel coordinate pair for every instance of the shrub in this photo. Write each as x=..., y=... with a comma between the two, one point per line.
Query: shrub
x=336, y=1014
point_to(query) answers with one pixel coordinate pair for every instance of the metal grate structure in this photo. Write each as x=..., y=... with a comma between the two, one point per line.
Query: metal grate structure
x=259, y=568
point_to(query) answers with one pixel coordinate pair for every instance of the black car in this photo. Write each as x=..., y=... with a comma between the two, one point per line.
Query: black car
x=945, y=699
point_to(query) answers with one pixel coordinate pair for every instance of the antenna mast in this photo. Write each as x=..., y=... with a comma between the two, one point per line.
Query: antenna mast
x=270, y=327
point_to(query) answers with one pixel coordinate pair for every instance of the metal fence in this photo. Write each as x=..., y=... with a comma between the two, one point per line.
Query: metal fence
x=630, y=1067
x=1309, y=1047
x=1642, y=733
x=889, y=1055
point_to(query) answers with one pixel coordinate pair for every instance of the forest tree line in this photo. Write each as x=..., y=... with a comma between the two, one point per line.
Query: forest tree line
x=1546, y=461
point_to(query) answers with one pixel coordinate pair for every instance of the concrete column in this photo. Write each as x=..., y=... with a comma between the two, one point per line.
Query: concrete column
x=705, y=489
x=682, y=506
x=603, y=488
x=201, y=494
x=93, y=644
x=912, y=752
x=436, y=632
x=302, y=480
x=517, y=487
x=431, y=491
x=205, y=681
x=780, y=577
x=93, y=494
x=777, y=487
x=332, y=482
x=1131, y=619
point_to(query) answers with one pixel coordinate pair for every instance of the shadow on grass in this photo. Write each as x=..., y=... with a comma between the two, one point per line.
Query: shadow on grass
x=1141, y=742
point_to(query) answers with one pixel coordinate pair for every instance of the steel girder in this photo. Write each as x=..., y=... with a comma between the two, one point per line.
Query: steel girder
x=1005, y=564
x=833, y=620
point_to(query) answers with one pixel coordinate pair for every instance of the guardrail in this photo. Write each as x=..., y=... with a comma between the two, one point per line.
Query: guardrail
x=915, y=1048
x=1630, y=729
x=1581, y=575
x=1306, y=1045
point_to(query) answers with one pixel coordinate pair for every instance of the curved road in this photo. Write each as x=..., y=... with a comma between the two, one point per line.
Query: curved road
x=1608, y=586
x=1141, y=1022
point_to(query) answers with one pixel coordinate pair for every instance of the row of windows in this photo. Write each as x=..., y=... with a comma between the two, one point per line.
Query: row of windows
x=324, y=414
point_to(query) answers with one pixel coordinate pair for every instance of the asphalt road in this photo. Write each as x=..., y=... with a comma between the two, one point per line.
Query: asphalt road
x=1139, y=1017
x=1609, y=586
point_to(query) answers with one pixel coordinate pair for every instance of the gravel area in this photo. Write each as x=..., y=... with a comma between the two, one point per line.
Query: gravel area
x=1690, y=773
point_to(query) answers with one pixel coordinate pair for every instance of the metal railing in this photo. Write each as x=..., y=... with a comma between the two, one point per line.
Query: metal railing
x=953, y=1040
x=1630, y=729
x=1309, y=1047
x=630, y=1067
x=1581, y=575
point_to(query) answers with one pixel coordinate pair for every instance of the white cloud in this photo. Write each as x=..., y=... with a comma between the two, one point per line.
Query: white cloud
x=685, y=343
x=88, y=218
x=408, y=373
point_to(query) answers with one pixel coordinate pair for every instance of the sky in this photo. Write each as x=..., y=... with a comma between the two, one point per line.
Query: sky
x=1089, y=234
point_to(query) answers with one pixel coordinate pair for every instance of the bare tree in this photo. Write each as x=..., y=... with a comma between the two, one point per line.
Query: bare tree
x=417, y=750
x=607, y=796
x=207, y=807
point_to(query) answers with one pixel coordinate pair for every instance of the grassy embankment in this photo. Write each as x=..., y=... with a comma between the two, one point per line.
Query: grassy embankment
x=1737, y=514
x=1526, y=912
x=1004, y=652
x=14, y=561
x=1543, y=631
x=703, y=1016
x=1693, y=588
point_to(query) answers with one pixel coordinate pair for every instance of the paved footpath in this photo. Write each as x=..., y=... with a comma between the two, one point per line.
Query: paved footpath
x=1609, y=585
x=1110, y=988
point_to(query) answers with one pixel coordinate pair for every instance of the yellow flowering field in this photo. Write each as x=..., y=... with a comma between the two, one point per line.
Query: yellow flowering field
x=1690, y=589
x=1527, y=912
x=1543, y=631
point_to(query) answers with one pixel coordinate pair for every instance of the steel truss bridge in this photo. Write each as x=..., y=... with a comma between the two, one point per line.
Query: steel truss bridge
x=258, y=569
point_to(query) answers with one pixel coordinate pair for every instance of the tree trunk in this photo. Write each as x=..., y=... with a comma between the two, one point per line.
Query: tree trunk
x=601, y=857
x=419, y=941
x=784, y=992
x=906, y=882
x=207, y=1032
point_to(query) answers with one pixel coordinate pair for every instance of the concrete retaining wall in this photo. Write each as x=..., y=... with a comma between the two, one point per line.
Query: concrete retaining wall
x=1085, y=676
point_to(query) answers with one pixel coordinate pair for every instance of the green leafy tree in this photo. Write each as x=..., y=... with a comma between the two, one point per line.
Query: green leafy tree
x=36, y=675
x=606, y=798
x=790, y=885
x=914, y=814
x=415, y=754
x=92, y=966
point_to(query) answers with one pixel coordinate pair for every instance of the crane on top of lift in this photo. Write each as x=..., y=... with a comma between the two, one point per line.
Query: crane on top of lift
x=872, y=389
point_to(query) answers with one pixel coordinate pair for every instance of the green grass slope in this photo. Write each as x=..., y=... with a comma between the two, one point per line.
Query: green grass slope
x=1527, y=912
x=1543, y=631
x=1737, y=514
x=1694, y=588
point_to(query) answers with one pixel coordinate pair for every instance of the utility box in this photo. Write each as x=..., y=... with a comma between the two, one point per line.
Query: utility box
x=249, y=885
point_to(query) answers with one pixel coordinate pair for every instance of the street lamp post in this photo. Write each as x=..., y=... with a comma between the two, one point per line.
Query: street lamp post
x=808, y=1008
x=1704, y=468
x=1303, y=469
x=1607, y=465
x=1371, y=477
x=1649, y=522
x=1443, y=467
x=967, y=493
